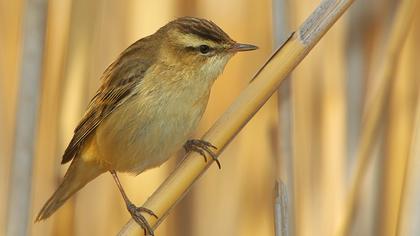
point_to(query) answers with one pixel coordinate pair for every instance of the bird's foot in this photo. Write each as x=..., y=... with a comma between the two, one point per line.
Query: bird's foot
x=136, y=214
x=202, y=147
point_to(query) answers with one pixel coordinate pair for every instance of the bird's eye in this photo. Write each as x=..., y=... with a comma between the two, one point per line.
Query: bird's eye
x=204, y=49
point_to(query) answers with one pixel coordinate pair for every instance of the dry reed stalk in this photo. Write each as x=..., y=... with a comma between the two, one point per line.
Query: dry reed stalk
x=374, y=108
x=265, y=83
x=10, y=58
x=281, y=216
x=46, y=172
x=398, y=131
x=409, y=214
x=20, y=186
x=330, y=185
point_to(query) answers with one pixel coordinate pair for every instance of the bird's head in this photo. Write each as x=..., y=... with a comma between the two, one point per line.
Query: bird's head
x=198, y=44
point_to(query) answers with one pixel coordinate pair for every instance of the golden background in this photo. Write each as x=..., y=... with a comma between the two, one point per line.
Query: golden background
x=309, y=138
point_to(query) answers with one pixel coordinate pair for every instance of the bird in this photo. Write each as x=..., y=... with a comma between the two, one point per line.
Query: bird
x=150, y=100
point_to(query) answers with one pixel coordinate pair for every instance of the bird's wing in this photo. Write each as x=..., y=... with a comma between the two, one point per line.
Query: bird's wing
x=118, y=83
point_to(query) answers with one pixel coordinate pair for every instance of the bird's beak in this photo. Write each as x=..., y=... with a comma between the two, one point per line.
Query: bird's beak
x=241, y=47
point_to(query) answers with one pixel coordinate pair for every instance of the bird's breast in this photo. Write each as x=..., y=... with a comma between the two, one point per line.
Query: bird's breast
x=146, y=130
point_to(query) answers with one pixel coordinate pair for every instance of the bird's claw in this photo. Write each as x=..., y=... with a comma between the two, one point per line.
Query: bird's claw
x=140, y=219
x=202, y=147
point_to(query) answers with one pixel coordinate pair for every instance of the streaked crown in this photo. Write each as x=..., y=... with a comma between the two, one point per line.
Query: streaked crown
x=201, y=35
x=202, y=28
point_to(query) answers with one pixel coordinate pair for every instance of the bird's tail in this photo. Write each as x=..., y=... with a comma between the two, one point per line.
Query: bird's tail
x=78, y=175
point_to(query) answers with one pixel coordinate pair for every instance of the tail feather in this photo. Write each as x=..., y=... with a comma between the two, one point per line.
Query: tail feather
x=77, y=176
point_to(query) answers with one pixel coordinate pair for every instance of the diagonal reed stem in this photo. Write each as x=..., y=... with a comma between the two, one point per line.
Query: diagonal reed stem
x=264, y=84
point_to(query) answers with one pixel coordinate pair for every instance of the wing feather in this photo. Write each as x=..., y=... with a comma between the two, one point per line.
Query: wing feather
x=118, y=83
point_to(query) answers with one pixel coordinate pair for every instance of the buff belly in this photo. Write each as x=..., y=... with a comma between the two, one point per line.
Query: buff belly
x=145, y=132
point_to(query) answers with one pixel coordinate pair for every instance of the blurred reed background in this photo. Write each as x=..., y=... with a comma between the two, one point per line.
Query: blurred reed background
x=308, y=136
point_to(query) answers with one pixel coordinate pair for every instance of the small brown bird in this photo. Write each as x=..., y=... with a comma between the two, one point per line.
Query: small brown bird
x=150, y=100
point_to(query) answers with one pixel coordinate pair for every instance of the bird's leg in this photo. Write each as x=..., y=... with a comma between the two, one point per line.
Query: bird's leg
x=135, y=212
x=202, y=147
